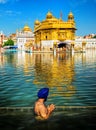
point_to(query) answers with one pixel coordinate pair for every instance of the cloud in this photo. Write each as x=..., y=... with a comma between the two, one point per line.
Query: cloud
x=3, y=1
x=12, y=13
x=6, y=1
x=9, y=13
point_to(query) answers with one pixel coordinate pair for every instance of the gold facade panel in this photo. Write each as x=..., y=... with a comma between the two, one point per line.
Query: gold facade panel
x=55, y=29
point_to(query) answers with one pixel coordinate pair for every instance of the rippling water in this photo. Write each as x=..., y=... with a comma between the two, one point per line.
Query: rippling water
x=71, y=78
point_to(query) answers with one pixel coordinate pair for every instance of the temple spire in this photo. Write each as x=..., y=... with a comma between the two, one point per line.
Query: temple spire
x=61, y=14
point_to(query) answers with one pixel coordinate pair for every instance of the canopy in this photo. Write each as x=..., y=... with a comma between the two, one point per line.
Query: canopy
x=63, y=44
x=13, y=47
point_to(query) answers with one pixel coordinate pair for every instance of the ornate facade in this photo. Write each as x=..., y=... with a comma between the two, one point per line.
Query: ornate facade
x=25, y=37
x=51, y=31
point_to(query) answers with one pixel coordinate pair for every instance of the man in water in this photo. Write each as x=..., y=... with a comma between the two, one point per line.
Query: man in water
x=41, y=110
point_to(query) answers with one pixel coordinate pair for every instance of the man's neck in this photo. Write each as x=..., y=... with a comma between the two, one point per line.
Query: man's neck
x=41, y=100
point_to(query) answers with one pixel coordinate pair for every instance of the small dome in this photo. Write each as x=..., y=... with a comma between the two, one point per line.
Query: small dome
x=70, y=16
x=49, y=15
x=27, y=29
x=37, y=22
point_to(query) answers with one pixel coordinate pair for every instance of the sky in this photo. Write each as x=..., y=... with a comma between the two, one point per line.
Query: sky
x=15, y=14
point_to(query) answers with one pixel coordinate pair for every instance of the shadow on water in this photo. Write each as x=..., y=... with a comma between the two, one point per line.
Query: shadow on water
x=68, y=119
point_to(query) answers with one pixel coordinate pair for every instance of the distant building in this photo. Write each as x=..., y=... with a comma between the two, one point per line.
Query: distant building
x=1, y=38
x=89, y=36
x=52, y=31
x=89, y=42
x=24, y=37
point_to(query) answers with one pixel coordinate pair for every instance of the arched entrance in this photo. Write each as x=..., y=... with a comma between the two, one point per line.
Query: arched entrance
x=64, y=46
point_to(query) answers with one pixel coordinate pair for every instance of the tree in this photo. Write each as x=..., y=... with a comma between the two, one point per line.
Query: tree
x=94, y=36
x=9, y=43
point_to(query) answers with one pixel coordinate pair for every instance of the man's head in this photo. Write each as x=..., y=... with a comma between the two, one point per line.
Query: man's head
x=43, y=93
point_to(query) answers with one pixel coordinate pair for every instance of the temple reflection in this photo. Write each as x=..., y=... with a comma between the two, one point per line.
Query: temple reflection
x=46, y=69
x=53, y=70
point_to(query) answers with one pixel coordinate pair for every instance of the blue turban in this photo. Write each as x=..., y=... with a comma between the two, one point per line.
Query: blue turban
x=43, y=93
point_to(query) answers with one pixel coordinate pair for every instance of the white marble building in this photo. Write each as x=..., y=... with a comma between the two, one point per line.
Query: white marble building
x=90, y=42
x=24, y=36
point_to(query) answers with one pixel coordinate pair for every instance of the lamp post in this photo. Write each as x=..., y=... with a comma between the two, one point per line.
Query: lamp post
x=54, y=47
x=83, y=46
x=72, y=47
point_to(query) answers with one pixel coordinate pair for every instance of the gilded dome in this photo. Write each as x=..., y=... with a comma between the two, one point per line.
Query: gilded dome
x=27, y=29
x=37, y=22
x=49, y=15
x=70, y=16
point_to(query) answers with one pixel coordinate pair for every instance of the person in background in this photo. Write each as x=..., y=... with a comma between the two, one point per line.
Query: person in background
x=41, y=110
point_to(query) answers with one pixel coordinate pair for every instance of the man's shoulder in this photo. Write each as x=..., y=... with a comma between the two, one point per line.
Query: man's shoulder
x=39, y=103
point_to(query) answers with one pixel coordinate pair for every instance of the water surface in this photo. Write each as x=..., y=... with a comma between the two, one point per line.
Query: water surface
x=70, y=78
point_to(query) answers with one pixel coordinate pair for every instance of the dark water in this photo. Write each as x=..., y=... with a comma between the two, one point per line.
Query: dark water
x=70, y=78
x=65, y=119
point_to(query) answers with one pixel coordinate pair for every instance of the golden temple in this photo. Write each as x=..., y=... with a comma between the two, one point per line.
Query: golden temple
x=52, y=30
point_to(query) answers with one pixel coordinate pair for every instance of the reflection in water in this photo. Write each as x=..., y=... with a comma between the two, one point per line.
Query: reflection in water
x=55, y=72
x=68, y=76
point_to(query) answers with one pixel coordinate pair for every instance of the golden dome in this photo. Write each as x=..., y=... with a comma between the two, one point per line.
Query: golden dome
x=37, y=22
x=70, y=16
x=27, y=29
x=49, y=15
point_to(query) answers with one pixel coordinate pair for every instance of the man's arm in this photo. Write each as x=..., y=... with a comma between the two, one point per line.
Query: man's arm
x=46, y=111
